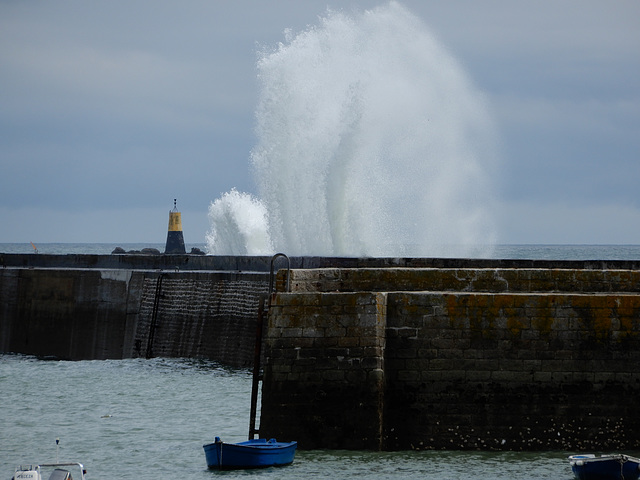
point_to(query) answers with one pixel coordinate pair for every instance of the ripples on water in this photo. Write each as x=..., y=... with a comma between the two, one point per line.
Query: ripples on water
x=148, y=419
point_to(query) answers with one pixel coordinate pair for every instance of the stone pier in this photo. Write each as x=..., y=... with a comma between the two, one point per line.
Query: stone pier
x=78, y=314
x=379, y=354
x=489, y=359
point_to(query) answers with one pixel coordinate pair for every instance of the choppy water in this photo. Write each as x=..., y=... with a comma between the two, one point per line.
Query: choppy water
x=148, y=419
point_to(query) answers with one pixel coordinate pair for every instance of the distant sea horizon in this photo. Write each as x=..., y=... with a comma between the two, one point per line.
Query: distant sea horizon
x=501, y=251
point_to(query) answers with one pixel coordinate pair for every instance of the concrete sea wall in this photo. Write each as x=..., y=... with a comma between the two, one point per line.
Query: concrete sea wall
x=122, y=313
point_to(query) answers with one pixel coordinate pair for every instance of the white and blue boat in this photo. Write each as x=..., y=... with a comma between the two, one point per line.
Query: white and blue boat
x=605, y=467
x=257, y=453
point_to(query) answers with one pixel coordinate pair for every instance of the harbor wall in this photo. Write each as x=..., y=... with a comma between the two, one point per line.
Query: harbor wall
x=549, y=361
x=89, y=313
x=365, y=353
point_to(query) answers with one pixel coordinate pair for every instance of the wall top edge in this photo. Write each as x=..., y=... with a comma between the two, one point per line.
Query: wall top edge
x=263, y=263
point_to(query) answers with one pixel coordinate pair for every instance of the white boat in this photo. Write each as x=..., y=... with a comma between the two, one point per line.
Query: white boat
x=51, y=471
x=55, y=471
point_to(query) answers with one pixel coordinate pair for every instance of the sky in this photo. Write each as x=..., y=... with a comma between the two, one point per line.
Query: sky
x=111, y=109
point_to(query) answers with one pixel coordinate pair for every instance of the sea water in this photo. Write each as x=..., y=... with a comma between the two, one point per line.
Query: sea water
x=526, y=252
x=148, y=419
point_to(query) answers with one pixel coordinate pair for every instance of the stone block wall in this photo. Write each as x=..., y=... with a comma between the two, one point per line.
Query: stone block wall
x=514, y=369
x=469, y=279
x=324, y=380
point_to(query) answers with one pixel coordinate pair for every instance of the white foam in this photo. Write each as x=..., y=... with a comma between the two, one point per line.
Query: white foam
x=238, y=226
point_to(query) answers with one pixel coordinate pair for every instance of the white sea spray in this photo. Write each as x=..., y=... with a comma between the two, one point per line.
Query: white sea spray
x=372, y=141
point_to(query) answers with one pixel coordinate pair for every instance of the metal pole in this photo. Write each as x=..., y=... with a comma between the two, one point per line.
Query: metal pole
x=256, y=371
x=257, y=377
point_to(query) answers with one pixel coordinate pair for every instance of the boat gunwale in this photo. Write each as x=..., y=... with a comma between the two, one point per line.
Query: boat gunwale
x=249, y=446
x=259, y=453
x=590, y=458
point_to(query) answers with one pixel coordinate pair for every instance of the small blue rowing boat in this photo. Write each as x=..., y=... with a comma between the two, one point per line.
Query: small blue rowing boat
x=605, y=467
x=259, y=453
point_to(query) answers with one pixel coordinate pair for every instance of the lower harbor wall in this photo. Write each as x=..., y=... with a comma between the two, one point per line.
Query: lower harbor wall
x=121, y=313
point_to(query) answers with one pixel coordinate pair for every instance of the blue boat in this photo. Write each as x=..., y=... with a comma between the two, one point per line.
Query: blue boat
x=258, y=453
x=605, y=467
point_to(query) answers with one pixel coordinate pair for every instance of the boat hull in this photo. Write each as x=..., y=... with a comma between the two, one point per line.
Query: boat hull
x=258, y=453
x=606, y=467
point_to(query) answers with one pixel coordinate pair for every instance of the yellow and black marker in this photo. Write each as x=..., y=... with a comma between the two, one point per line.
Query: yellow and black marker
x=175, y=240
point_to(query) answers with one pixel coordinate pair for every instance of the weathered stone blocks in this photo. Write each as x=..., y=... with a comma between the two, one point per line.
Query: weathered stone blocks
x=468, y=278
x=549, y=360
x=342, y=406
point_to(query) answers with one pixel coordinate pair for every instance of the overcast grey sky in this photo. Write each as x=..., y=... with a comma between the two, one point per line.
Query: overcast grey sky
x=111, y=109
